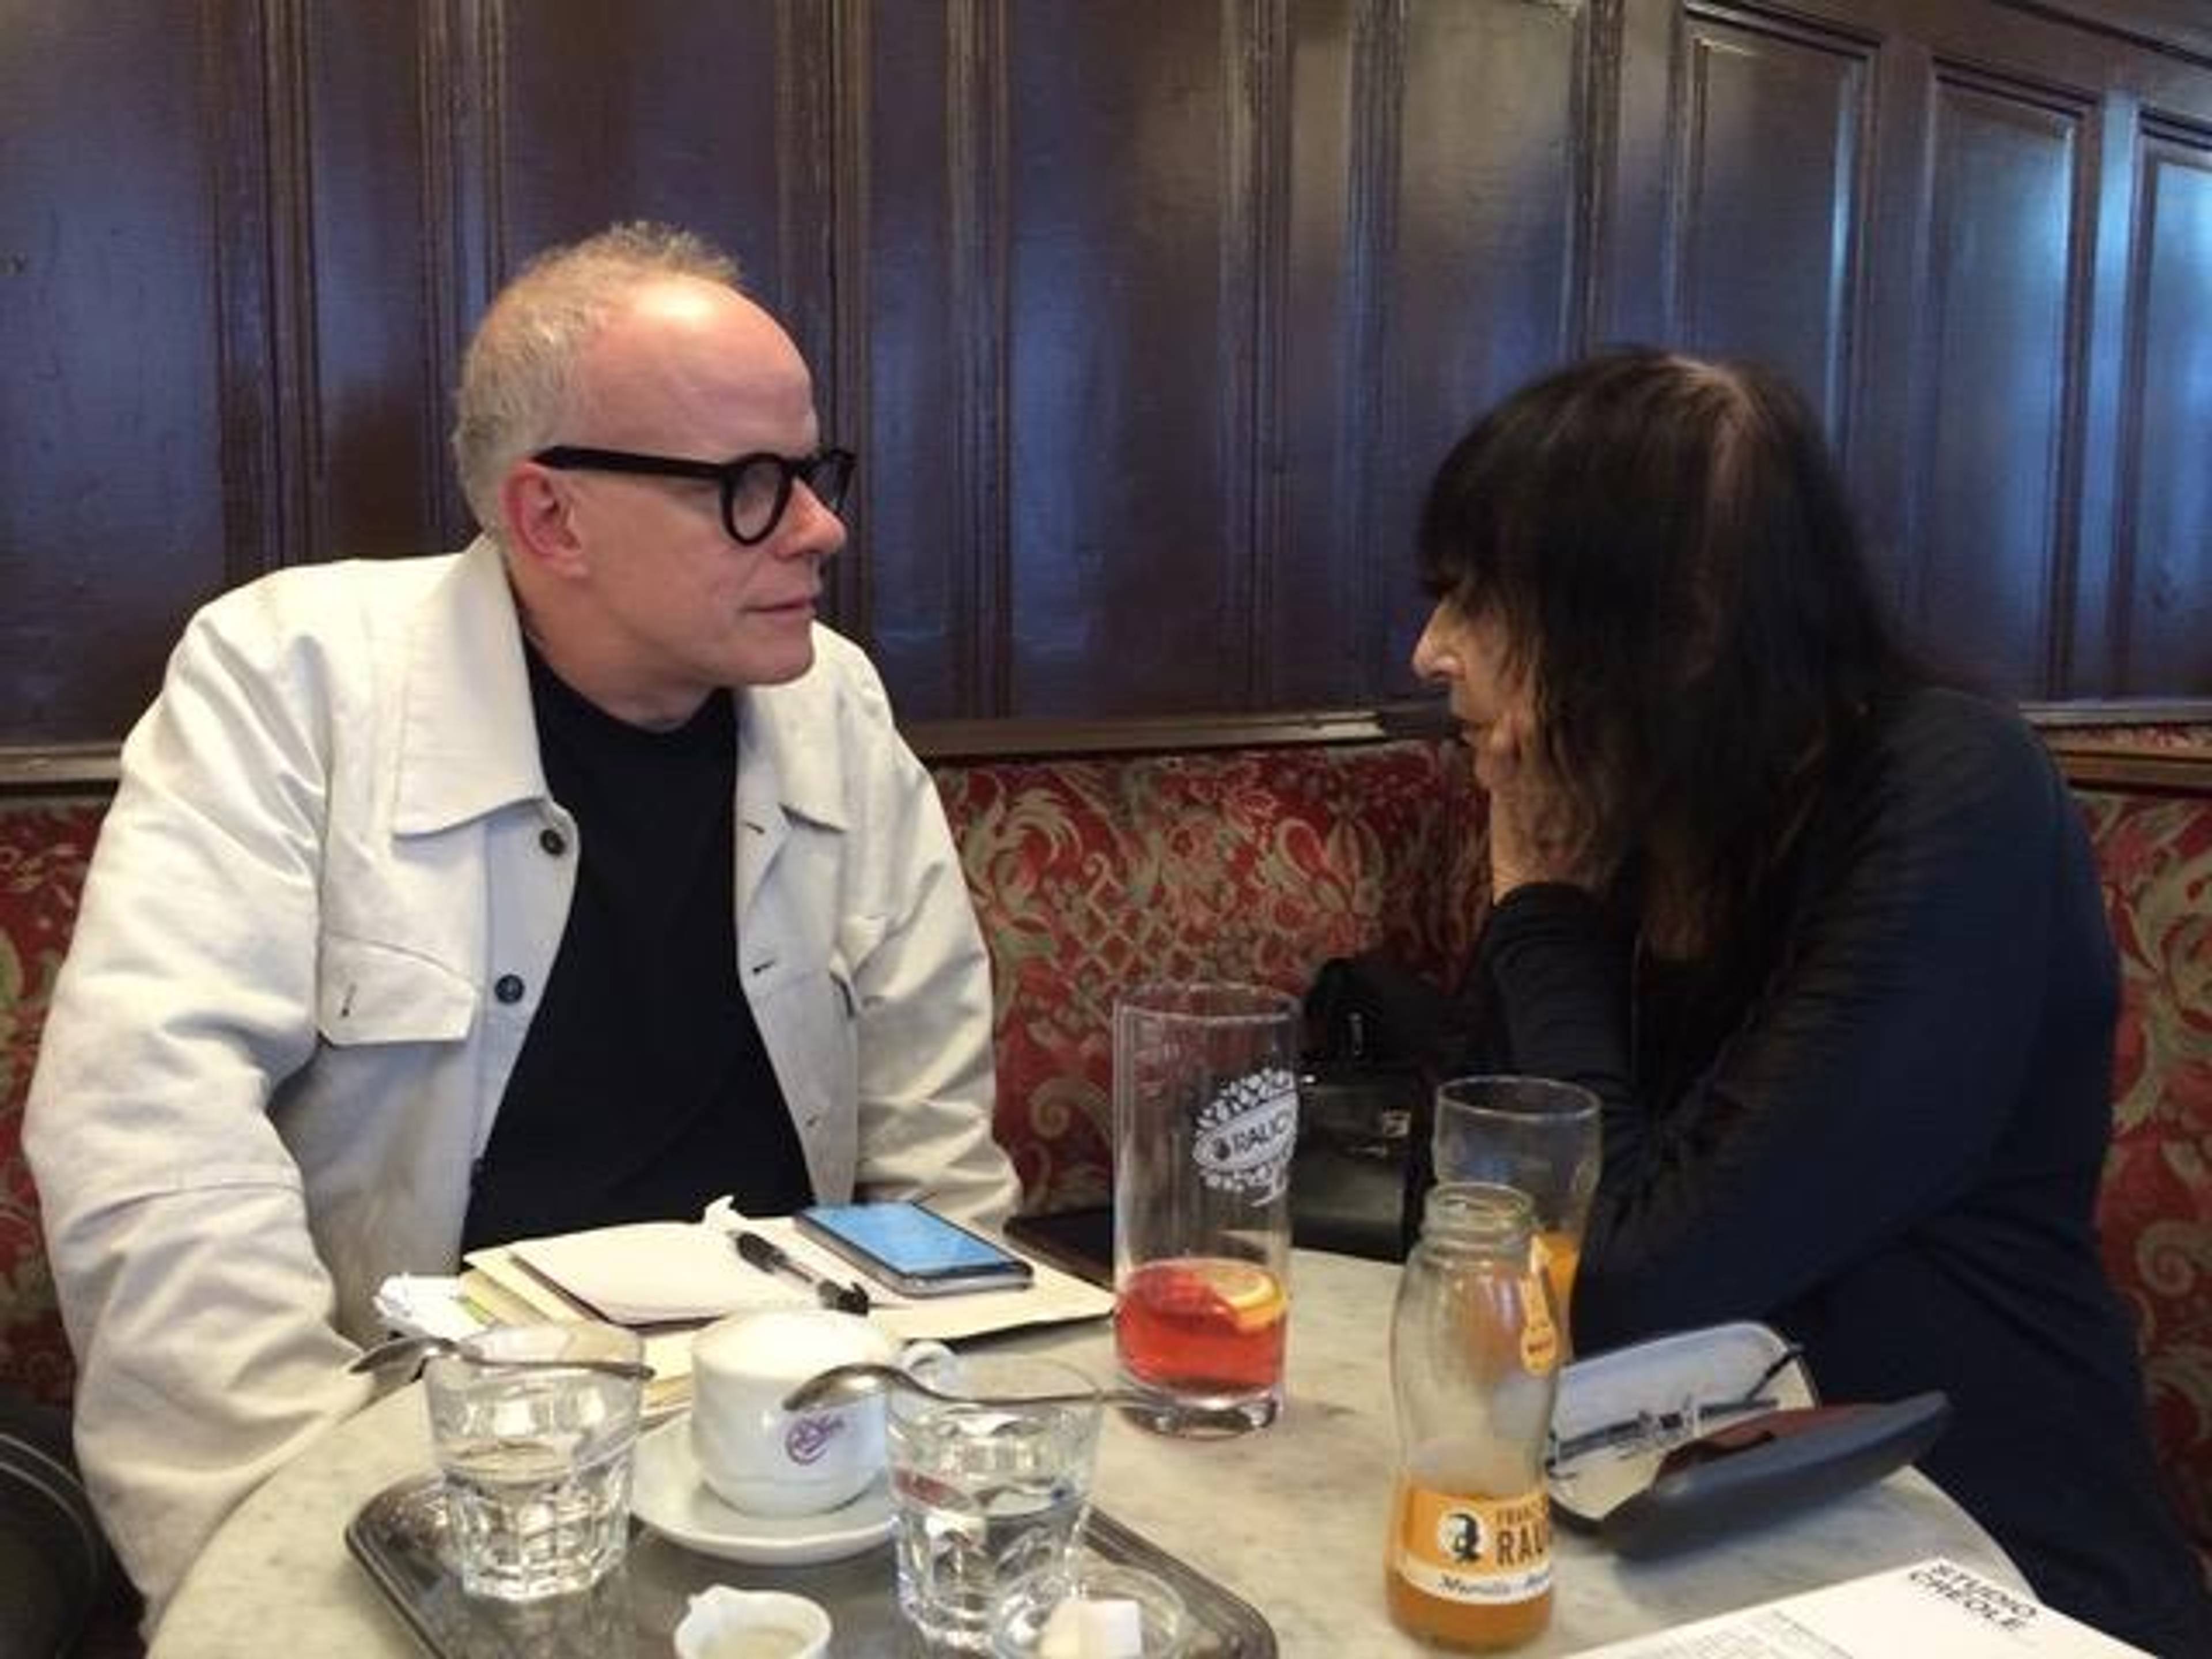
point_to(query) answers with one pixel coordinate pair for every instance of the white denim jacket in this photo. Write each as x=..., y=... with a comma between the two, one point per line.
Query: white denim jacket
x=323, y=906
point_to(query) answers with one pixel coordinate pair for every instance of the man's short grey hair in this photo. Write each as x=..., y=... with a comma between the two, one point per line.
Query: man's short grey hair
x=518, y=380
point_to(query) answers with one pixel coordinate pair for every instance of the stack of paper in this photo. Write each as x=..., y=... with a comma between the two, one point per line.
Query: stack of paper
x=1934, y=1606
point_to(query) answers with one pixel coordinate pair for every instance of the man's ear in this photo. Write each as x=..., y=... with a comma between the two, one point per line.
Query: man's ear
x=540, y=520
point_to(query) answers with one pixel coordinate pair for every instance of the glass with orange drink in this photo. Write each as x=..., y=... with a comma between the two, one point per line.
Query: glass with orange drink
x=1539, y=1136
x=1205, y=1115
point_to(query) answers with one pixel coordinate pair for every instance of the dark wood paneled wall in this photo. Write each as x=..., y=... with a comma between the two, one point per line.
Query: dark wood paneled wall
x=1151, y=318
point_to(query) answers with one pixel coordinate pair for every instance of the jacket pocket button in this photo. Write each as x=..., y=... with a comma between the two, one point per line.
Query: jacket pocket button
x=508, y=988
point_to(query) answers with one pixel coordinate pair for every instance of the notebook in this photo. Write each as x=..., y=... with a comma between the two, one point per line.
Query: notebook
x=653, y=1272
x=664, y=1275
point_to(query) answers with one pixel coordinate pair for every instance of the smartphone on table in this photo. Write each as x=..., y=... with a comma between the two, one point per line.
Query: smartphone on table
x=913, y=1250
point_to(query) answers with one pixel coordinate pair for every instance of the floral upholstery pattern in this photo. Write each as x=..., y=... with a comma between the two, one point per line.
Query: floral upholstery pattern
x=2154, y=1208
x=1090, y=875
x=44, y=849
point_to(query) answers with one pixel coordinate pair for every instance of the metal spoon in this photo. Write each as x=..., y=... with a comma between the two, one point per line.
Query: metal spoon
x=414, y=1350
x=841, y=1385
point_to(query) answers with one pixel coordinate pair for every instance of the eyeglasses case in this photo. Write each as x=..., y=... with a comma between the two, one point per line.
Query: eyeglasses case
x=1686, y=1438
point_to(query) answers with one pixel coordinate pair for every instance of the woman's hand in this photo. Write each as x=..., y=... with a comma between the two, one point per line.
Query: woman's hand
x=1534, y=836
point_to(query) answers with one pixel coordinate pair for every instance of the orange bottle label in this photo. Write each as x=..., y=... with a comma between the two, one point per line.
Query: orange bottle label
x=1540, y=1332
x=1482, y=1551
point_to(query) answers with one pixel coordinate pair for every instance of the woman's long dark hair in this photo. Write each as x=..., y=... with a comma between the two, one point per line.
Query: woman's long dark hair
x=1671, y=554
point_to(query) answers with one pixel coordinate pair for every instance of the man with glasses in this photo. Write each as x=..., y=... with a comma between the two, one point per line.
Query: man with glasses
x=575, y=878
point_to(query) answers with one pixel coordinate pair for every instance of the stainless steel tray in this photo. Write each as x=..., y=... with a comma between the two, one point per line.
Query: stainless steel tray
x=399, y=1537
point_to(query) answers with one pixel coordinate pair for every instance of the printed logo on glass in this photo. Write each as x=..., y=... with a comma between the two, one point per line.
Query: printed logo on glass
x=1247, y=1132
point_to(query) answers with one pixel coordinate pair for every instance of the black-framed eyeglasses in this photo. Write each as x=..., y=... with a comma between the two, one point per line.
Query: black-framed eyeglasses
x=755, y=488
x=1664, y=1429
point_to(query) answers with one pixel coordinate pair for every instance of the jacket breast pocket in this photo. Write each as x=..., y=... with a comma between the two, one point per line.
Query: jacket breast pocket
x=368, y=993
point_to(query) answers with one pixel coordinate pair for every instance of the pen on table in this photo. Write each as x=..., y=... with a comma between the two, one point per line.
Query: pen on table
x=770, y=1257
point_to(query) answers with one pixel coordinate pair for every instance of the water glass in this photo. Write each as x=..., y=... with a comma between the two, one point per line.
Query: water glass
x=1206, y=1120
x=536, y=1461
x=989, y=1492
x=1538, y=1135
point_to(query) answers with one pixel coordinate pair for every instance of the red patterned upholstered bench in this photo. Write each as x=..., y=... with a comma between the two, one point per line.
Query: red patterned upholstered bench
x=1093, y=871
x=44, y=847
x=2148, y=797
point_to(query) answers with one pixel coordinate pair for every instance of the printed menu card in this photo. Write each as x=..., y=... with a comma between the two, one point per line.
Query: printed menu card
x=1932, y=1607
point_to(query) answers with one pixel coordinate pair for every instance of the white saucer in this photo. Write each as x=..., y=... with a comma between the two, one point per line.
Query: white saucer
x=667, y=1494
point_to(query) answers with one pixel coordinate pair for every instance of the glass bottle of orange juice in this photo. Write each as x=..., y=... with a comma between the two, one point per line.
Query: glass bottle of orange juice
x=1474, y=1365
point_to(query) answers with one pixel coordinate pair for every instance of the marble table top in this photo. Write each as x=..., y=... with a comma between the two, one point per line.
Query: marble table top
x=1292, y=1518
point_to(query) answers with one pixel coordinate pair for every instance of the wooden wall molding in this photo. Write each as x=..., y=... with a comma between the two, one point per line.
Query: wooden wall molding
x=1369, y=343
x=2165, y=151
x=1711, y=35
x=287, y=89
x=2080, y=733
x=2118, y=711
x=939, y=741
x=2175, y=28
x=450, y=304
x=479, y=89
x=1970, y=94
x=2135, y=770
x=841, y=129
x=1256, y=144
x=976, y=204
x=234, y=93
x=62, y=768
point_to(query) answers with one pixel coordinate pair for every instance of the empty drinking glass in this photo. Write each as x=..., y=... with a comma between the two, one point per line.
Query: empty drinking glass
x=537, y=1459
x=987, y=1491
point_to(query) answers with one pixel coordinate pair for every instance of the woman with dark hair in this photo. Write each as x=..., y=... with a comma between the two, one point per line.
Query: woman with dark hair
x=1822, y=934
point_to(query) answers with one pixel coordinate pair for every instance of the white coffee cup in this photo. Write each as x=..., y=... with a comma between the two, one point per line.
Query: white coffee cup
x=763, y=1460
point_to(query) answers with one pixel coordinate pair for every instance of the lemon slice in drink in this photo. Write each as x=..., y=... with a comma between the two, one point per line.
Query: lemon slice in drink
x=1252, y=1295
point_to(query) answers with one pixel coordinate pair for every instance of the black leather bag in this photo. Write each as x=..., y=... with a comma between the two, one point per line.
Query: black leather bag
x=1372, y=1011
x=54, y=1562
x=1379, y=1036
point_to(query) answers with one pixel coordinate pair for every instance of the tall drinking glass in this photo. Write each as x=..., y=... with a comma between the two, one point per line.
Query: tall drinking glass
x=1205, y=1116
x=1539, y=1135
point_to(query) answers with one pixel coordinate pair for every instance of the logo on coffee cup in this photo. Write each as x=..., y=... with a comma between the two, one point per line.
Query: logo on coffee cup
x=1247, y=1132
x=808, y=1438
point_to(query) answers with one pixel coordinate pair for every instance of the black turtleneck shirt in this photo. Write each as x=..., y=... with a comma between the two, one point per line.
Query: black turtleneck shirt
x=642, y=1091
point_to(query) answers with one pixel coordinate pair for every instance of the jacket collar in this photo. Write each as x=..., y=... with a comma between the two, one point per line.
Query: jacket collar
x=787, y=769
x=468, y=737
x=787, y=743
